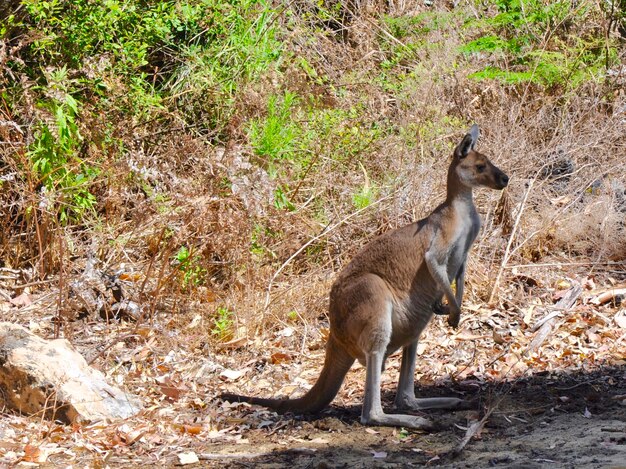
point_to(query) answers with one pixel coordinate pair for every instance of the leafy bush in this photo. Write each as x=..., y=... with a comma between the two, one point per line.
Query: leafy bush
x=223, y=325
x=274, y=137
x=192, y=273
x=530, y=42
x=54, y=156
x=135, y=60
x=237, y=43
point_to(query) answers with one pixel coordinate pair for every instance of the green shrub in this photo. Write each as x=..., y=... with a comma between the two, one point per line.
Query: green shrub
x=530, y=42
x=223, y=325
x=192, y=273
x=274, y=137
x=190, y=54
x=54, y=155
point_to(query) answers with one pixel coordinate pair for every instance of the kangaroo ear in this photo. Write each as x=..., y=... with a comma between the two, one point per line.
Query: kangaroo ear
x=475, y=133
x=468, y=142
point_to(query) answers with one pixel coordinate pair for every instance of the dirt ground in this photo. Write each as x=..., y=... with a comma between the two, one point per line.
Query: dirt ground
x=547, y=420
x=551, y=419
x=563, y=407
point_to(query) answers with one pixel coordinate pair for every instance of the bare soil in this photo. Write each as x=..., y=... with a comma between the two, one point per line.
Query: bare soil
x=547, y=420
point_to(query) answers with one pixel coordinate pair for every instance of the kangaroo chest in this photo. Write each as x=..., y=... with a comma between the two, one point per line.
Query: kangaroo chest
x=462, y=238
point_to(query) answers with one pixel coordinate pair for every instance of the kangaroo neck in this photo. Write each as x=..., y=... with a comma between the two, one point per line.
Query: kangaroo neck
x=457, y=192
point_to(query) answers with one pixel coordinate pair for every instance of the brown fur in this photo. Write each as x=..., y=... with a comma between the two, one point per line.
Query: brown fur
x=384, y=298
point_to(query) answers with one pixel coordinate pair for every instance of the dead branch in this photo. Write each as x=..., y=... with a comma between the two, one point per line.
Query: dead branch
x=474, y=429
x=563, y=304
x=609, y=295
x=507, y=251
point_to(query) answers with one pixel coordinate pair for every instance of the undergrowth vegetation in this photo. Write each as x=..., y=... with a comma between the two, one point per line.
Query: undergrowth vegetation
x=536, y=42
x=228, y=158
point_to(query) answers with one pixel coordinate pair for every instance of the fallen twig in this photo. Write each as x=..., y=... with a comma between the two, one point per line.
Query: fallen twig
x=547, y=324
x=541, y=322
x=213, y=456
x=609, y=295
x=471, y=431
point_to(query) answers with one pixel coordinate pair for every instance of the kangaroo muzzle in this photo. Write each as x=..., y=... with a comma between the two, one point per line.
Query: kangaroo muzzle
x=501, y=179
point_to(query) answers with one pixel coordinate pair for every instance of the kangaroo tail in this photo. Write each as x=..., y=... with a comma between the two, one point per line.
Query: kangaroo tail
x=336, y=365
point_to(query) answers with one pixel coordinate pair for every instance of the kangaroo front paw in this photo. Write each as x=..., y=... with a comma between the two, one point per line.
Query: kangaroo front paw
x=440, y=309
x=454, y=318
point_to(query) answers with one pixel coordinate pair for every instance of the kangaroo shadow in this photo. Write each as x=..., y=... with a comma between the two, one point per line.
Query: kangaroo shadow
x=565, y=390
x=567, y=418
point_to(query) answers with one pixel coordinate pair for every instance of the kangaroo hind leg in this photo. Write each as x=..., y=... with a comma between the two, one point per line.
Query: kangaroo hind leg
x=405, y=396
x=372, y=413
x=375, y=340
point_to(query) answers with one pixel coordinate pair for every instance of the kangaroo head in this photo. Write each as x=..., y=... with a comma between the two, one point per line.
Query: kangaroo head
x=473, y=169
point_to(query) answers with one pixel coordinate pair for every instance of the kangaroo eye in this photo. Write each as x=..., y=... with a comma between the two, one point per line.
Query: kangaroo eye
x=480, y=168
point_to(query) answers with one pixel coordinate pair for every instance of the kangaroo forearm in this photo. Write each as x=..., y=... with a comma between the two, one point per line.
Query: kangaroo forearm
x=449, y=294
x=439, y=274
x=460, y=284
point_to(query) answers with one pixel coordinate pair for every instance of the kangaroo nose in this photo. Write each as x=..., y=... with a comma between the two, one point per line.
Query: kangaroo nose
x=504, y=179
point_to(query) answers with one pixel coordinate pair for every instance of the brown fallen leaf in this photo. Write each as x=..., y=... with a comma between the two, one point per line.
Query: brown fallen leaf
x=171, y=390
x=34, y=454
x=144, y=331
x=132, y=277
x=189, y=429
x=280, y=357
x=127, y=435
x=235, y=343
x=497, y=338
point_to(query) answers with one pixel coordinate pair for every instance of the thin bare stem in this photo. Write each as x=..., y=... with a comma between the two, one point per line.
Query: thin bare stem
x=507, y=251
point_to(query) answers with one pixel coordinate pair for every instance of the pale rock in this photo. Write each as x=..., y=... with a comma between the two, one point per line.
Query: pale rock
x=49, y=376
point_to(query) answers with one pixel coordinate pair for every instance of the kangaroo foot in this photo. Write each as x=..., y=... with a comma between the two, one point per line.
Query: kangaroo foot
x=412, y=403
x=399, y=420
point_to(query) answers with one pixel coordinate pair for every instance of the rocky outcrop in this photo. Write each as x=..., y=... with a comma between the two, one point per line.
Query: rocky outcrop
x=48, y=377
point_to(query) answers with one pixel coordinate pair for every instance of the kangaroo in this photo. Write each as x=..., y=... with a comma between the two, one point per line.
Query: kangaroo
x=384, y=298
